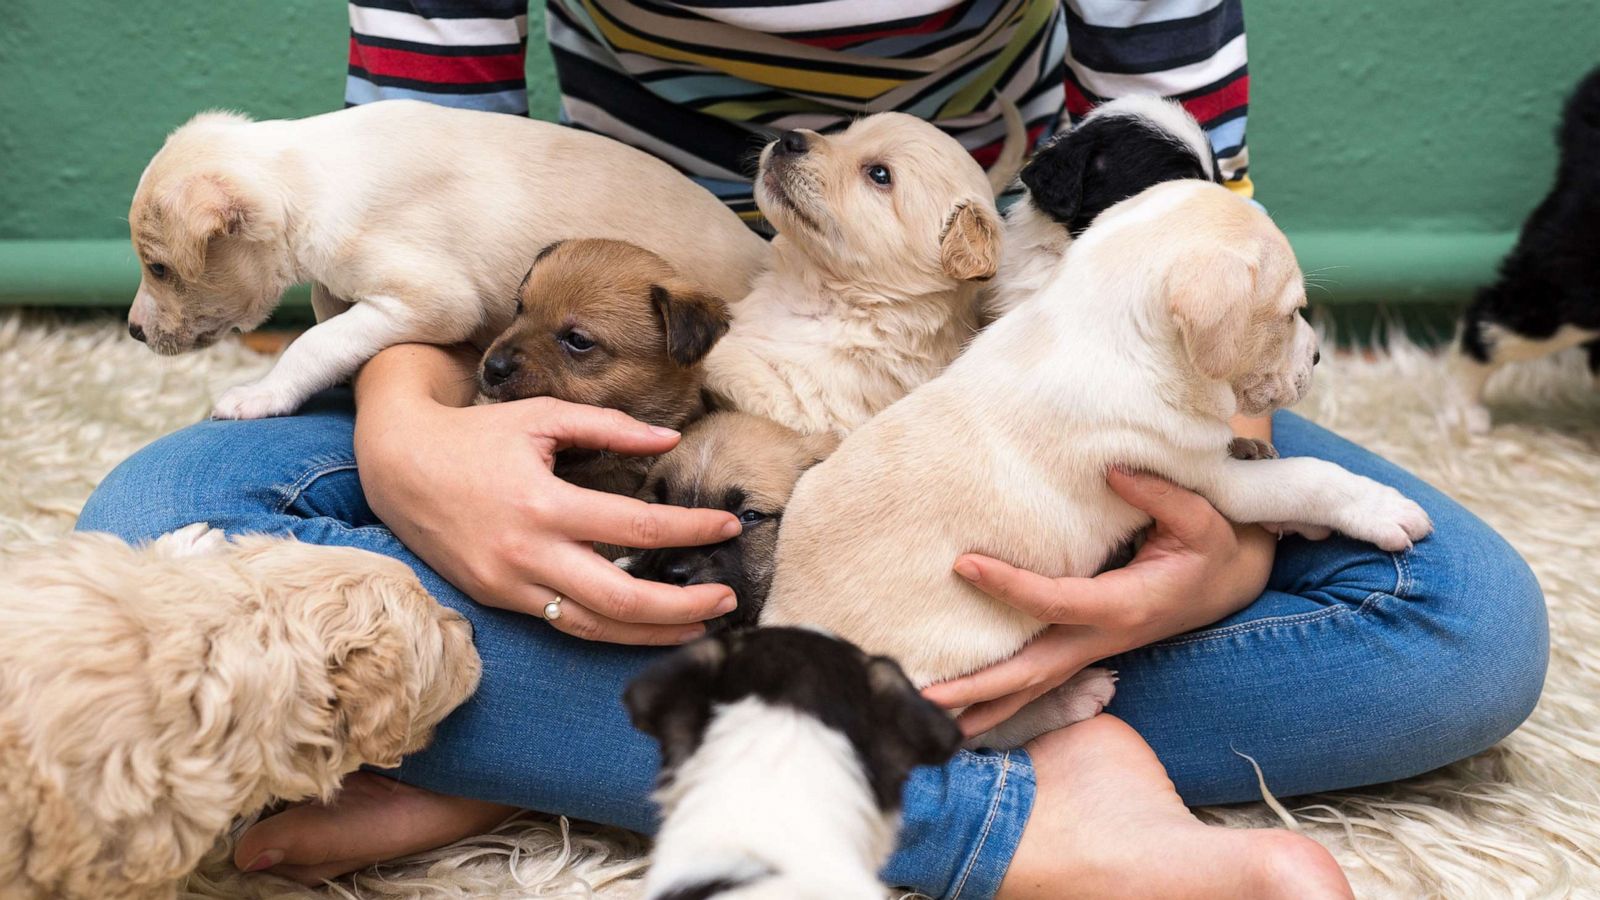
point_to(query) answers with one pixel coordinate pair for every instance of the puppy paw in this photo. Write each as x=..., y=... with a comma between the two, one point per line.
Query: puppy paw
x=253, y=401
x=1085, y=694
x=1250, y=449
x=1385, y=517
x=190, y=540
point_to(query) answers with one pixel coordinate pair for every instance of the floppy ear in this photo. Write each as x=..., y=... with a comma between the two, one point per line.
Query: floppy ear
x=912, y=730
x=375, y=691
x=671, y=699
x=1055, y=176
x=691, y=319
x=817, y=447
x=969, y=249
x=1209, y=291
x=202, y=208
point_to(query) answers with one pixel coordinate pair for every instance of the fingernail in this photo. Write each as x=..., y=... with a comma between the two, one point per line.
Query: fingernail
x=691, y=634
x=664, y=432
x=732, y=528
x=266, y=860
x=728, y=604
x=967, y=569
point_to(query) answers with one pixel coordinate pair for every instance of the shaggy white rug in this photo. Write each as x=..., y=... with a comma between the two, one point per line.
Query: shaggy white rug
x=1522, y=820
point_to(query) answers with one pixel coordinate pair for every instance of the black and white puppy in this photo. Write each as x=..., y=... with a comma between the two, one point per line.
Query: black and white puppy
x=783, y=755
x=1547, y=295
x=1118, y=150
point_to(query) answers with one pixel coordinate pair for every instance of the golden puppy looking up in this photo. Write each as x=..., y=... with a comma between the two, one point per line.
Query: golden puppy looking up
x=1175, y=310
x=886, y=232
x=148, y=696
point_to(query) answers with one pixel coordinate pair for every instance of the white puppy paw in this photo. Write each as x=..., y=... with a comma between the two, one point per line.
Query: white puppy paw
x=1385, y=517
x=190, y=540
x=253, y=401
x=1085, y=694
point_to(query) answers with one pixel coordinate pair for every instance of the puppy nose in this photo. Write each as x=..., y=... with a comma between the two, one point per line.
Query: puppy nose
x=678, y=572
x=497, y=368
x=137, y=331
x=1316, y=357
x=793, y=143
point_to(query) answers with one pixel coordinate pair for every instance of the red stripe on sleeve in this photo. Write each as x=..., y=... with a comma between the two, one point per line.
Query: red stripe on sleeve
x=988, y=153
x=438, y=69
x=837, y=41
x=1224, y=99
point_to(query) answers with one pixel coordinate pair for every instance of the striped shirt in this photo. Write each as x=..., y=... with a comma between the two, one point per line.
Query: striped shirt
x=704, y=83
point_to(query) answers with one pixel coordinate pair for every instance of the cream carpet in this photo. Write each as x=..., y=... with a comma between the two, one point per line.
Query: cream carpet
x=1522, y=820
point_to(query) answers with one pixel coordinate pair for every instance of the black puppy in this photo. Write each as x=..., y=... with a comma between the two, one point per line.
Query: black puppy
x=1547, y=296
x=1118, y=150
x=783, y=755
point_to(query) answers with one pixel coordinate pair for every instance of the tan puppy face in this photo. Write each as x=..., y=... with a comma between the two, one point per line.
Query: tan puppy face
x=748, y=466
x=210, y=252
x=1227, y=278
x=889, y=200
x=609, y=324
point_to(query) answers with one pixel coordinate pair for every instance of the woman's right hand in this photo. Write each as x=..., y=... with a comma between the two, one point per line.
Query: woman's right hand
x=470, y=490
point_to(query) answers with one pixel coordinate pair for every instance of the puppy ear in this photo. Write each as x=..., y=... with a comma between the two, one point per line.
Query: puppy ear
x=1055, y=177
x=671, y=699
x=1210, y=292
x=818, y=447
x=969, y=249
x=202, y=208
x=912, y=730
x=375, y=694
x=691, y=319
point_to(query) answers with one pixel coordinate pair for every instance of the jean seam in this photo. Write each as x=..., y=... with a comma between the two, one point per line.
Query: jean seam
x=288, y=496
x=988, y=825
x=1258, y=625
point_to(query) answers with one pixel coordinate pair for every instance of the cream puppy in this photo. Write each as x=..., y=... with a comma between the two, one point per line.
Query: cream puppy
x=414, y=222
x=886, y=231
x=149, y=695
x=1174, y=311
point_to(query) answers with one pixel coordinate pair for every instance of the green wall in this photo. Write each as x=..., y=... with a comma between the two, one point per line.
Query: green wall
x=1399, y=142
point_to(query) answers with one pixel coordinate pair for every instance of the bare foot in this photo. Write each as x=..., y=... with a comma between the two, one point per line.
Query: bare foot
x=1107, y=823
x=373, y=819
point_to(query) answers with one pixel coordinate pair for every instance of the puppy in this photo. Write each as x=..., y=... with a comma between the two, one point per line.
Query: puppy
x=1174, y=311
x=886, y=231
x=1547, y=297
x=1117, y=151
x=609, y=324
x=748, y=466
x=150, y=695
x=783, y=754
x=413, y=221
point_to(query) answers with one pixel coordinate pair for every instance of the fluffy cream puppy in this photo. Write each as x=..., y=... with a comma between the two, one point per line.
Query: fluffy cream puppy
x=414, y=222
x=886, y=231
x=150, y=695
x=1174, y=311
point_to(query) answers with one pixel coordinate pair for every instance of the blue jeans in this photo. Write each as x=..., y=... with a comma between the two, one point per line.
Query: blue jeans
x=1356, y=666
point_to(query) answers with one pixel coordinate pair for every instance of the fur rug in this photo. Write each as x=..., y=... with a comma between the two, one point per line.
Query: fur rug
x=1522, y=820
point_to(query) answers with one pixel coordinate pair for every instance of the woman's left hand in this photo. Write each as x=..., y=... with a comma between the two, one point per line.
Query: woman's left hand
x=1195, y=567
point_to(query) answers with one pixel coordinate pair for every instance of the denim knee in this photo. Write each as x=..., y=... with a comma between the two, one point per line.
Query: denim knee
x=1496, y=638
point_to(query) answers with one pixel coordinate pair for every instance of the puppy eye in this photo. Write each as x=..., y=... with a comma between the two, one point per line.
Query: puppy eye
x=157, y=270
x=576, y=341
x=519, y=305
x=879, y=175
x=752, y=517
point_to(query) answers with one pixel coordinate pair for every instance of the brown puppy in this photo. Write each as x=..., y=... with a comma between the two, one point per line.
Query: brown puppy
x=748, y=466
x=609, y=324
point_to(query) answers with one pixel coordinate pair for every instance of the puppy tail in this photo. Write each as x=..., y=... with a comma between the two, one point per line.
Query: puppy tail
x=1015, y=150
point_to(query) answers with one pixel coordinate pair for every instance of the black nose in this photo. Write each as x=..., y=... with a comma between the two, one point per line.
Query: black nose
x=793, y=143
x=678, y=571
x=137, y=331
x=1316, y=357
x=497, y=368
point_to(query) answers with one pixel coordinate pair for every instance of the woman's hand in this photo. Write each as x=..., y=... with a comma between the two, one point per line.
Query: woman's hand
x=1195, y=567
x=470, y=490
